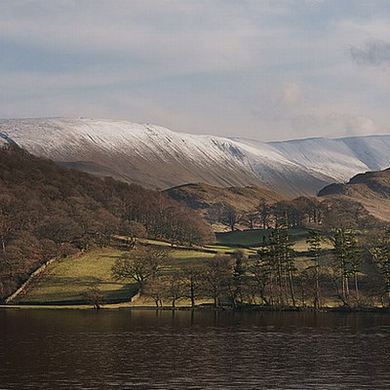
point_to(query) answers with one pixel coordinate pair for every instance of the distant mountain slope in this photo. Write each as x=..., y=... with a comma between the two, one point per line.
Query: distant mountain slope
x=371, y=189
x=339, y=158
x=204, y=196
x=157, y=157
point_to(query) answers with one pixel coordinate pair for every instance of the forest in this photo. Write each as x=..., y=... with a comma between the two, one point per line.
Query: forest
x=47, y=211
x=304, y=211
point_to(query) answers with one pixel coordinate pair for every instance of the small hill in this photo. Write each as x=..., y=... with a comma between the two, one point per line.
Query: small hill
x=203, y=196
x=370, y=189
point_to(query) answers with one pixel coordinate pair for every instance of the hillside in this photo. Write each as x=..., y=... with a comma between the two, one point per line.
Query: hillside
x=370, y=189
x=160, y=158
x=204, y=196
x=47, y=211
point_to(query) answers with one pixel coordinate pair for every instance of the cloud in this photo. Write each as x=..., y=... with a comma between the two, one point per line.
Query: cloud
x=179, y=37
x=337, y=123
x=373, y=53
x=272, y=69
x=292, y=94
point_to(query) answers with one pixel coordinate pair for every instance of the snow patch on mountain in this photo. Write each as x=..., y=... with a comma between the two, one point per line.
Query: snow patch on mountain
x=158, y=157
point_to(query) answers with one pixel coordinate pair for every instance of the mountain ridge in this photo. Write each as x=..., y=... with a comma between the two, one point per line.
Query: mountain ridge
x=160, y=158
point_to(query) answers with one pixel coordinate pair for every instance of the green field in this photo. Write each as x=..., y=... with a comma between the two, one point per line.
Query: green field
x=66, y=281
x=254, y=238
x=181, y=258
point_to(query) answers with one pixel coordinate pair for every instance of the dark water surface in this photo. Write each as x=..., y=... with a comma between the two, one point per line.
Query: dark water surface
x=70, y=349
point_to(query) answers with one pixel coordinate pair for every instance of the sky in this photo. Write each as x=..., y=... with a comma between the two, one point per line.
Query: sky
x=269, y=70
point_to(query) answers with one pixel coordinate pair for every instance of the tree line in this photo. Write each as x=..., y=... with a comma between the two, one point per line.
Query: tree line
x=270, y=278
x=300, y=212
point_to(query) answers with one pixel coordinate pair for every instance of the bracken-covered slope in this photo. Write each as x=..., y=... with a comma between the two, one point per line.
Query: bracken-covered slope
x=371, y=189
x=157, y=157
x=202, y=196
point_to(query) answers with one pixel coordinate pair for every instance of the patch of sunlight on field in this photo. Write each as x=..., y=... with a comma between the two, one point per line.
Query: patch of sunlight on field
x=68, y=279
x=302, y=246
x=181, y=258
x=219, y=248
x=222, y=249
x=148, y=241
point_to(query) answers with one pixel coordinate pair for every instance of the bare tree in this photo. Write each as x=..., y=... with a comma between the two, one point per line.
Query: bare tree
x=94, y=296
x=252, y=217
x=217, y=272
x=139, y=265
x=231, y=217
x=155, y=288
x=174, y=287
x=192, y=283
x=133, y=230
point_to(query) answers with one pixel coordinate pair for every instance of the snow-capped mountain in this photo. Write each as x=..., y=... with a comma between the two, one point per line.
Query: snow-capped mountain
x=157, y=157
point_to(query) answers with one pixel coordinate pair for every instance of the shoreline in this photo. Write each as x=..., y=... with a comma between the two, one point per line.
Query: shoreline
x=113, y=307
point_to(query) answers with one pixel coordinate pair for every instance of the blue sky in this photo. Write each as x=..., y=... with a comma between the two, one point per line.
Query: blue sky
x=262, y=69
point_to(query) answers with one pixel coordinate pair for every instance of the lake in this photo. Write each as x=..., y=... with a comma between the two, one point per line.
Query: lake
x=145, y=349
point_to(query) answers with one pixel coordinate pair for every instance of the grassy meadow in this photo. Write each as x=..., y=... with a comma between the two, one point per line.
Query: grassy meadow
x=65, y=281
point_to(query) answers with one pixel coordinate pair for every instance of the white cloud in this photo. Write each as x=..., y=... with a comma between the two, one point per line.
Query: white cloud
x=292, y=94
x=272, y=69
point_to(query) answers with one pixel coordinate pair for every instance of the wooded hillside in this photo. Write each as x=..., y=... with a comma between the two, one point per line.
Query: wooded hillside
x=48, y=211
